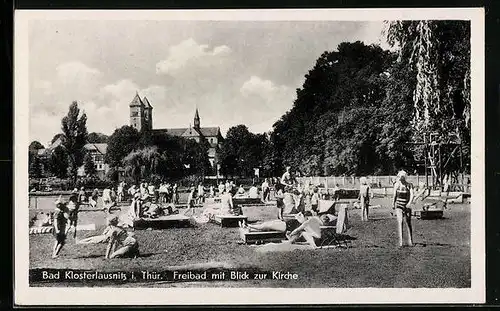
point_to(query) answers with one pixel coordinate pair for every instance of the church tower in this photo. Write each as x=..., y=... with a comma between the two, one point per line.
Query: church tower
x=137, y=113
x=148, y=114
x=196, y=120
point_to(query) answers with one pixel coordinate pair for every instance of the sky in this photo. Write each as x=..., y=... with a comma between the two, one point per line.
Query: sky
x=233, y=72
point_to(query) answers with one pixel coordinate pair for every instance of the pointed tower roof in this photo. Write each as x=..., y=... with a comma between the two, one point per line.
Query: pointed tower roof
x=136, y=101
x=196, y=114
x=146, y=103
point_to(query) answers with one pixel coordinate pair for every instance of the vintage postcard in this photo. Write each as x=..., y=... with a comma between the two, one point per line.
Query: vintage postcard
x=249, y=157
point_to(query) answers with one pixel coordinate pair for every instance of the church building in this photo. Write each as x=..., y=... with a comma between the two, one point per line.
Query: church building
x=141, y=118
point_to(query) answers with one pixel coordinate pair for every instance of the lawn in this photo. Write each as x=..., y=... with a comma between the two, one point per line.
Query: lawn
x=440, y=258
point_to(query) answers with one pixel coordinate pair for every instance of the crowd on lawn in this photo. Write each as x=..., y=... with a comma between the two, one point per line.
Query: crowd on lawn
x=148, y=200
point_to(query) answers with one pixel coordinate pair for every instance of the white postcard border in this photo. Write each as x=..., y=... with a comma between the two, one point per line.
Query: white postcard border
x=25, y=295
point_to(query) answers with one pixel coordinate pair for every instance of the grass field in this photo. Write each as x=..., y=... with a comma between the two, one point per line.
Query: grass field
x=440, y=258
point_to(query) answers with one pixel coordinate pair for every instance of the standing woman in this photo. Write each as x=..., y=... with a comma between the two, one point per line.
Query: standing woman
x=403, y=196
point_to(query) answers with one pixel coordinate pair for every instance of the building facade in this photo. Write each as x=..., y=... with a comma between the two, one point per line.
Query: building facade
x=97, y=152
x=141, y=118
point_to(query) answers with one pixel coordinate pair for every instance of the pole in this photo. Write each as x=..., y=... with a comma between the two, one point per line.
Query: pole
x=440, y=172
x=461, y=165
x=425, y=165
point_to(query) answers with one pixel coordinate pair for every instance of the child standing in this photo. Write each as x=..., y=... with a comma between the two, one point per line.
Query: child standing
x=364, y=197
x=280, y=204
x=315, y=200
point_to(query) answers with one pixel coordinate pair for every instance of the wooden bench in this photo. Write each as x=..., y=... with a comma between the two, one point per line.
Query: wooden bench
x=228, y=221
x=163, y=222
x=430, y=209
x=261, y=237
x=247, y=201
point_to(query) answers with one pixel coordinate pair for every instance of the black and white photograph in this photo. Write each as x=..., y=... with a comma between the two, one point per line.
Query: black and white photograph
x=249, y=156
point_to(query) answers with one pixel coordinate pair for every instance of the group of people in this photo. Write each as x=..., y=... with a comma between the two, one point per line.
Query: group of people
x=292, y=198
x=302, y=200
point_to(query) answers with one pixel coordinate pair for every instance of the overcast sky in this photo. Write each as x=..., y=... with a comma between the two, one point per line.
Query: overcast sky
x=234, y=72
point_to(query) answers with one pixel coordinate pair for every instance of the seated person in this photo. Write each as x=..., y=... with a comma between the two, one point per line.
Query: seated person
x=253, y=193
x=101, y=238
x=120, y=242
x=241, y=191
x=303, y=225
x=310, y=229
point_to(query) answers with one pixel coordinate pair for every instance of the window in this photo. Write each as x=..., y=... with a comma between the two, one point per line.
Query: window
x=134, y=113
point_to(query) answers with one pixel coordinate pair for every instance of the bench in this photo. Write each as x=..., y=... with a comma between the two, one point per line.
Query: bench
x=261, y=237
x=430, y=209
x=247, y=201
x=229, y=221
x=163, y=222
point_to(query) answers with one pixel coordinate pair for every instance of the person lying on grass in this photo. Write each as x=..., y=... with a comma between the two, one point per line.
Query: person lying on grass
x=157, y=210
x=120, y=242
x=304, y=225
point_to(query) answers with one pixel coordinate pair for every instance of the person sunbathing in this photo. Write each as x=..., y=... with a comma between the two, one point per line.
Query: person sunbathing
x=304, y=225
x=157, y=210
x=310, y=229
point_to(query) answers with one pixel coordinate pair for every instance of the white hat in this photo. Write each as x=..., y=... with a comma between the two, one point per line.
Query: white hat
x=402, y=174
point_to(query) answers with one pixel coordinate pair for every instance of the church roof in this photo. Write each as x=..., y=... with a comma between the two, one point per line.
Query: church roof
x=184, y=131
x=173, y=131
x=209, y=131
x=191, y=132
x=146, y=103
x=136, y=101
x=196, y=115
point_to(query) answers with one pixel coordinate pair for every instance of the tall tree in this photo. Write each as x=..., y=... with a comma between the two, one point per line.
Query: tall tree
x=332, y=128
x=57, y=136
x=35, y=145
x=439, y=56
x=97, y=138
x=123, y=141
x=35, y=166
x=89, y=165
x=74, y=129
x=58, y=163
x=439, y=53
x=242, y=151
x=142, y=163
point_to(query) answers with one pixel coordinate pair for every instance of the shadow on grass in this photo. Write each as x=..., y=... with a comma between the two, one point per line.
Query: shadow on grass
x=431, y=244
x=142, y=255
